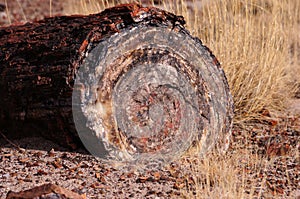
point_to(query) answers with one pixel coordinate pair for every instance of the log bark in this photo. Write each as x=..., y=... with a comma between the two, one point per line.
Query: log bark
x=132, y=80
x=37, y=66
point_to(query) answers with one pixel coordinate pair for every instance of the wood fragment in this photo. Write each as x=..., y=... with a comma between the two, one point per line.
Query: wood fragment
x=46, y=191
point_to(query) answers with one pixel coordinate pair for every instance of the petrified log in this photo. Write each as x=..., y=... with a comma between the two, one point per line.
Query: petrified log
x=136, y=84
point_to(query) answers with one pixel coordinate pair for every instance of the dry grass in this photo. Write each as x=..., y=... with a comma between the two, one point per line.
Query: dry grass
x=86, y=6
x=253, y=41
x=248, y=170
x=214, y=177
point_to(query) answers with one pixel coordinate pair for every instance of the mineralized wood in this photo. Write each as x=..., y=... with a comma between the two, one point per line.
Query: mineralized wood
x=135, y=83
x=38, y=61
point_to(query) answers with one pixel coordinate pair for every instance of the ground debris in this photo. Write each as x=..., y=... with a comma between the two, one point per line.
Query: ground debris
x=46, y=191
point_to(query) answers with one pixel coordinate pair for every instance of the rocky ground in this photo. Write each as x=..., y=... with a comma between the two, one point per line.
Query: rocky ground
x=29, y=162
x=26, y=167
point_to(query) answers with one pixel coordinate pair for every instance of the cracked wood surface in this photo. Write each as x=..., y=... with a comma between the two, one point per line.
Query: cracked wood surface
x=39, y=62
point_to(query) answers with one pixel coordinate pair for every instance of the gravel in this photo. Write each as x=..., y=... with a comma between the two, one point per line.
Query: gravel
x=37, y=161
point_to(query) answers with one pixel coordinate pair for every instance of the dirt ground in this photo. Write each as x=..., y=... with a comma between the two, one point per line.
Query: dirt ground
x=28, y=162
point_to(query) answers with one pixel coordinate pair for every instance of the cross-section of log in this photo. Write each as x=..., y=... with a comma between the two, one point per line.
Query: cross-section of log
x=135, y=83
